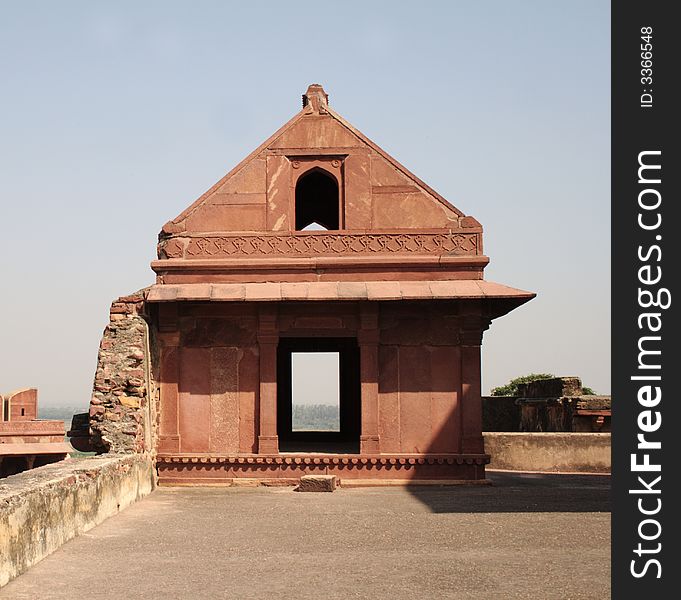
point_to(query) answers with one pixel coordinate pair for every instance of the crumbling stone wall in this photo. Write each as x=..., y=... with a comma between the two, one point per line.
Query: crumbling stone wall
x=500, y=413
x=555, y=387
x=578, y=414
x=121, y=410
x=548, y=405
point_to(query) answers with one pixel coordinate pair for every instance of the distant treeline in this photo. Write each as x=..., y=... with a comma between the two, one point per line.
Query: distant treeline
x=60, y=413
x=315, y=417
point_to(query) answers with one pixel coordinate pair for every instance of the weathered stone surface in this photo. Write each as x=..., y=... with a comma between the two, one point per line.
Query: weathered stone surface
x=576, y=413
x=548, y=405
x=317, y=483
x=500, y=413
x=43, y=508
x=551, y=388
x=121, y=415
x=224, y=399
x=567, y=452
x=594, y=402
x=129, y=401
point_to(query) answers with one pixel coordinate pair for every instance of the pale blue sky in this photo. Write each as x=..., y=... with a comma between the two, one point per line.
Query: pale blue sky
x=117, y=115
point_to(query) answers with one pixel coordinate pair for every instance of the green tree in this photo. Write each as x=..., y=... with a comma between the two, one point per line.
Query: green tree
x=511, y=388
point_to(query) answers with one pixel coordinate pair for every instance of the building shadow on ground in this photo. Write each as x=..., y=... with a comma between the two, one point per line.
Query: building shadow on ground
x=520, y=492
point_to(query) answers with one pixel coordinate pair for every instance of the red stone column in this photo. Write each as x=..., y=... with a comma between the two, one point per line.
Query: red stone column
x=368, y=335
x=268, y=339
x=169, y=435
x=471, y=401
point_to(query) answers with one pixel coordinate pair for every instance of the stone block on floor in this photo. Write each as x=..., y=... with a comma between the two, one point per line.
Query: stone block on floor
x=317, y=483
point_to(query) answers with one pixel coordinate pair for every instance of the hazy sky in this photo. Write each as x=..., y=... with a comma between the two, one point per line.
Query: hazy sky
x=315, y=390
x=117, y=115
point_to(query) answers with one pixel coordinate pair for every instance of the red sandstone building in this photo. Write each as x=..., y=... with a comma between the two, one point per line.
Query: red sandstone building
x=197, y=368
x=25, y=441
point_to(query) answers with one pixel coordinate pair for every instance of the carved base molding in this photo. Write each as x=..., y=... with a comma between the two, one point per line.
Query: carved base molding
x=286, y=469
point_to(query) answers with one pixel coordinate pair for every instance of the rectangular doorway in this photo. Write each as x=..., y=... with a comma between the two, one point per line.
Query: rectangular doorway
x=318, y=395
x=315, y=391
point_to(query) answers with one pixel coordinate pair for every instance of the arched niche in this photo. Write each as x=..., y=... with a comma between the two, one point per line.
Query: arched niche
x=317, y=200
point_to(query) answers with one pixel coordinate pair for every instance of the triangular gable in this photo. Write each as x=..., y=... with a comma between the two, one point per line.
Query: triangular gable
x=239, y=201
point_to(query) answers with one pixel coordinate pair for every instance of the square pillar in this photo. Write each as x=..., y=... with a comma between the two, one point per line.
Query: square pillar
x=368, y=336
x=169, y=337
x=268, y=340
x=471, y=402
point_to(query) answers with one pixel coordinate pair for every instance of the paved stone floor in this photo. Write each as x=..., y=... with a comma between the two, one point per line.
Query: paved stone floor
x=528, y=536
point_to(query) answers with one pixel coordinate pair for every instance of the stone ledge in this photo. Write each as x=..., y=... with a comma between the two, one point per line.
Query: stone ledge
x=43, y=508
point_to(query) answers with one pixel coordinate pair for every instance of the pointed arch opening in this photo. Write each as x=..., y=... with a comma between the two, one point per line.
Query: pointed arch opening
x=317, y=201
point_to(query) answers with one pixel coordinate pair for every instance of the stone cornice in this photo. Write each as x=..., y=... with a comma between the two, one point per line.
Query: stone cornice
x=395, y=262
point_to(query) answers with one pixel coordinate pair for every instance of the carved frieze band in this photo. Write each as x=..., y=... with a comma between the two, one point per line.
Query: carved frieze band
x=366, y=461
x=332, y=244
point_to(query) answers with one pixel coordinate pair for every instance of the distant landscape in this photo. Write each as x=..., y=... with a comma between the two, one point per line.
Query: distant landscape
x=60, y=413
x=315, y=417
x=306, y=417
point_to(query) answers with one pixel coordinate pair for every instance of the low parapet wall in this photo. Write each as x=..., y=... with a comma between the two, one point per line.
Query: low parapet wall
x=573, y=452
x=43, y=508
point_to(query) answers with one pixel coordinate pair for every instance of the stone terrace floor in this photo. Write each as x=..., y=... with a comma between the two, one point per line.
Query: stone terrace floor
x=528, y=536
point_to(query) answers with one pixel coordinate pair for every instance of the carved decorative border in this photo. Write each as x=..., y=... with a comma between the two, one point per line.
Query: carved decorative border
x=367, y=461
x=331, y=244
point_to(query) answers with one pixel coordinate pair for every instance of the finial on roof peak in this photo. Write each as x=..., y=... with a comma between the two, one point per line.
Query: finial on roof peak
x=315, y=100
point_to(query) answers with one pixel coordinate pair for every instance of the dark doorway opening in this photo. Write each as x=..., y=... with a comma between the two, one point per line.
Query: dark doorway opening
x=317, y=200
x=318, y=430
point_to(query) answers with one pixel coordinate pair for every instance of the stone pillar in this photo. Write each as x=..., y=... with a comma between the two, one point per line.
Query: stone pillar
x=471, y=401
x=169, y=338
x=169, y=435
x=369, y=442
x=268, y=339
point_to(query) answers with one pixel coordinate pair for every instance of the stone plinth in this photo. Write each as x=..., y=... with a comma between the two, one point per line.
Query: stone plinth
x=287, y=469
